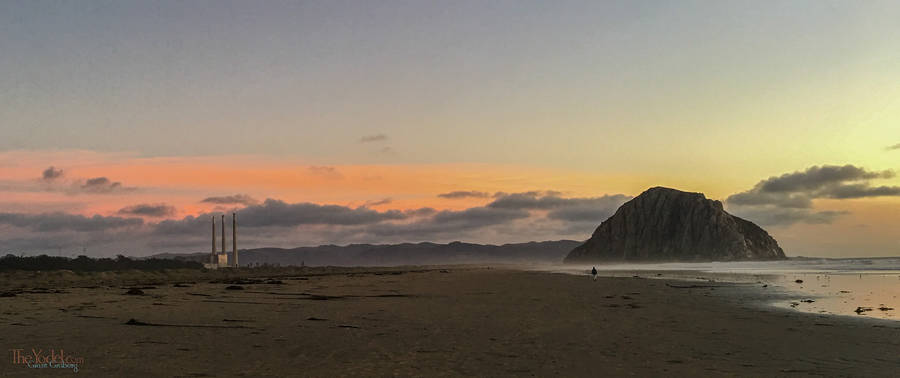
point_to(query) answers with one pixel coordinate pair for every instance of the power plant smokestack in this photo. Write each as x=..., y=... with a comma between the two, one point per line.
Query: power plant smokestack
x=223, y=235
x=213, y=257
x=234, y=238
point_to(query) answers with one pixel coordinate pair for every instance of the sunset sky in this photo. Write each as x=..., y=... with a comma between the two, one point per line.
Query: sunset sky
x=124, y=125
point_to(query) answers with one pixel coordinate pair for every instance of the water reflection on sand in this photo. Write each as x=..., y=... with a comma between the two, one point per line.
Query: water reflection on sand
x=853, y=287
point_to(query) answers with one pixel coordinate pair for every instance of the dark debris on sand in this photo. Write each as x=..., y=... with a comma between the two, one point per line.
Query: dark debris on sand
x=135, y=322
x=249, y=281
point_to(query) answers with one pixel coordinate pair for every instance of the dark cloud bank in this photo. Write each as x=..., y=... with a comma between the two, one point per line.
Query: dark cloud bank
x=778, y=200
x=51, y=222
x=516, y=215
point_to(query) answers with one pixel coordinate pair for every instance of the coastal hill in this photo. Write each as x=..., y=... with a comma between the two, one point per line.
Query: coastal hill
x=664, y=224
x=400, y=254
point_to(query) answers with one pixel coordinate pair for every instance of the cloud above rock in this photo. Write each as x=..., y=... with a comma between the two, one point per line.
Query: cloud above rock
x=788, y=198
x=782, y=216
x=819, y=179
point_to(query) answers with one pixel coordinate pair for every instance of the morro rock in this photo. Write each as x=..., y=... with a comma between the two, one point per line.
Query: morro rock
x=664, y=224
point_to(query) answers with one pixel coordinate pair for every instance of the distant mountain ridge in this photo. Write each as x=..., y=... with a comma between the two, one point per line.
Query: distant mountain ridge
x=400, y=254
x=664, y=224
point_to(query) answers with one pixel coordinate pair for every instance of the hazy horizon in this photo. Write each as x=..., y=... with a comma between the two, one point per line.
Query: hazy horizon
x=125, y=126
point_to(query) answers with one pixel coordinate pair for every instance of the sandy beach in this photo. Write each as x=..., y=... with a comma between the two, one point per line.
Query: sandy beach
x=422, y=321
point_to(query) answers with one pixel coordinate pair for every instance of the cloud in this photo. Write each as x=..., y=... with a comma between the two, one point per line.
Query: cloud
x=788, y=198
x=538, y=215
x=894, y=147
x=447, y=222
x=325, y=171
x=277, y=213
x=798, y=189
x=816, y=177
x=54, y=180
x=420, y=212
x=42, y=243
x=101, y=185
x=593, y=214
x=591, y=210
x=758, y=198
x=373, y=138
x=379, y=202
x=775, y=216
x=507, y=213
x=464, y=194
x=547, y=200
x=49, y=222
x=189, y=225
x=354, y=223
x=51, y=174
x=148, y=210
x=863, y=190
x=476, y=217
x=237, y=199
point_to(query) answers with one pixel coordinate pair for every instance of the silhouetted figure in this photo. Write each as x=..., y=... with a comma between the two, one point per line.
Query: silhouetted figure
x=594, y=273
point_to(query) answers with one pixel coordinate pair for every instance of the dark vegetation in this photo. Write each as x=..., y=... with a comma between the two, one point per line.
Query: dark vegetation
x=88, y=264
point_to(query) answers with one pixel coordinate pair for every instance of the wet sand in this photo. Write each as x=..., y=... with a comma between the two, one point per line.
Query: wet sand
x=426, y=321
x=870, y=294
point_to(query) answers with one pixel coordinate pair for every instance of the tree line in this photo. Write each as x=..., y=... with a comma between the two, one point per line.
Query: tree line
x=88, y=264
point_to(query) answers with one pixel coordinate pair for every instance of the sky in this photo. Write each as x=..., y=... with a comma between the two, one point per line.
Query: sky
x=125, y=125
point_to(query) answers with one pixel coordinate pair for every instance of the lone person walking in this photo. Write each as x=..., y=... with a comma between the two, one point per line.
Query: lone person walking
x=594, y=273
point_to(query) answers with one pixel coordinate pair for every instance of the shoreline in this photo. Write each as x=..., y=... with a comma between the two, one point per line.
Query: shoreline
x=439, y=320
x=818, y=289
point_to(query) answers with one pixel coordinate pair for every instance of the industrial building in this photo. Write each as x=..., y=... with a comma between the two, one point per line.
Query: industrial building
x=220, y=259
